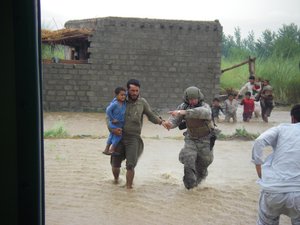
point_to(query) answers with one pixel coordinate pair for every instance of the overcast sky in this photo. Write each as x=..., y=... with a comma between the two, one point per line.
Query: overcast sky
x=256, y=15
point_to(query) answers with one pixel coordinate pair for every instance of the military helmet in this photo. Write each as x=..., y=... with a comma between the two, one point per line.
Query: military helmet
x=193, y=93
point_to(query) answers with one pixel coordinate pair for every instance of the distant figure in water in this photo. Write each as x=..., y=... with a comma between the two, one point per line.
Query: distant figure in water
x=266, y=98
x=197, y=154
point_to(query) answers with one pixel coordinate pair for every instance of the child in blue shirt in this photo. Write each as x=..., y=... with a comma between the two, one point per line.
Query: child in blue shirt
x=116, y=115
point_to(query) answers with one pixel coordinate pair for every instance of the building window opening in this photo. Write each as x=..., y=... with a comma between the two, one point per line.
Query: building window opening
x=69, y=46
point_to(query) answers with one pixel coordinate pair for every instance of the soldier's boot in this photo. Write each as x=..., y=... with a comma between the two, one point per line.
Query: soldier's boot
x=201, y=175
x=189, y=178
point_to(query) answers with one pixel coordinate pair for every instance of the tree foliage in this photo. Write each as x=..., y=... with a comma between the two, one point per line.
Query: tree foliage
x=264, y=45
x=50, y=51
x=284, y=43
x=277, y=59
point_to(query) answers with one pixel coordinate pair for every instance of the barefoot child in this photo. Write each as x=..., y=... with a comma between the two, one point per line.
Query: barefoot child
x=248, y=103
x=231, y=106
x=116, y=114
x=216, y=109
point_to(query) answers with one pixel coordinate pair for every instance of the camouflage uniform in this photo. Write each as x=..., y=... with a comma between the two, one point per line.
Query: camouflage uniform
x=197, y=153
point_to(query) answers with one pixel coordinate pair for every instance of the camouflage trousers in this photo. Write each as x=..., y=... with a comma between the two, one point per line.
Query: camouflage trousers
x=196, y=157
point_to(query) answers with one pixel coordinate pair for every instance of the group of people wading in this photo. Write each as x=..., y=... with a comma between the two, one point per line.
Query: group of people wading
x=260, y=92
x=255, y=96
x=125, y=120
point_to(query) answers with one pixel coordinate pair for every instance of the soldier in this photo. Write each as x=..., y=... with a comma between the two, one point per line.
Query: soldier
x=197, y=153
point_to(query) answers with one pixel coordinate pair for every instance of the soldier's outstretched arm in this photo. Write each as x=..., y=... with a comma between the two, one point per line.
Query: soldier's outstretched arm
x=176, y=118
x=177, y=112
x=202, y=112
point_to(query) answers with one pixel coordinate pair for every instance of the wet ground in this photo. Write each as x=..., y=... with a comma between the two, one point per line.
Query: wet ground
x=79, y=187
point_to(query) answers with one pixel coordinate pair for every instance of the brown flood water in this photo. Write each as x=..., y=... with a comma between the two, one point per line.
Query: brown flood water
x=79, y=187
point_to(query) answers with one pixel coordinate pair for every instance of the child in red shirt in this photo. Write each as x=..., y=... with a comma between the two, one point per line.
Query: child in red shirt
x=248, y=107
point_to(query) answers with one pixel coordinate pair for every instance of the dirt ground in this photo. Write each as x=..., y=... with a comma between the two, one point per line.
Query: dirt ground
x=79, y=187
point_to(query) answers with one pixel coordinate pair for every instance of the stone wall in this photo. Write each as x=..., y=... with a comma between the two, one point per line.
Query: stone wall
x=167, y=56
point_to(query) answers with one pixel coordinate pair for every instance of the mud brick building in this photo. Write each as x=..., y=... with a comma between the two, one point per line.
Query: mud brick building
x=167, y=56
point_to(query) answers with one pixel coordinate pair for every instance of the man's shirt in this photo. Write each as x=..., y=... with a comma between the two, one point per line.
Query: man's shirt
x=135, y=110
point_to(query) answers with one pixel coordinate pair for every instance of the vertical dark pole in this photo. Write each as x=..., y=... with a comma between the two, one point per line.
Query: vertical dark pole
x=9, y=162
x=26, y=27
x=251, y=63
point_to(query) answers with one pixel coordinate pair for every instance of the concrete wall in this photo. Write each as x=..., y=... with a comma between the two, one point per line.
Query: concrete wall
x=167, y=56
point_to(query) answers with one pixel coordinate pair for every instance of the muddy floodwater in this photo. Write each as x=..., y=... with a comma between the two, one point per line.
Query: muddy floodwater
x=79, y=188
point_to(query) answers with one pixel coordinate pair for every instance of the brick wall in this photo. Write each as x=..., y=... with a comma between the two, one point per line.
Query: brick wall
x=167, y=56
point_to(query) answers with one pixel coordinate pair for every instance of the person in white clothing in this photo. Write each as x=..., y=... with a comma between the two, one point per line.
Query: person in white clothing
x=279, y=172
x=253, y=86
x=249, y=86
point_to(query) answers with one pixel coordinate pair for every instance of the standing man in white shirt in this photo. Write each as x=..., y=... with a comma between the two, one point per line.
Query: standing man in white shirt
x=279, y=173
x=248, y=87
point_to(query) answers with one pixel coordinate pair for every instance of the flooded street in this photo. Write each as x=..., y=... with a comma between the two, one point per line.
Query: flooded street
x=79, y=187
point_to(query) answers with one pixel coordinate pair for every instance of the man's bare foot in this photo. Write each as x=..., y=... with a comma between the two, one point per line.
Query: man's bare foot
x=265, y=118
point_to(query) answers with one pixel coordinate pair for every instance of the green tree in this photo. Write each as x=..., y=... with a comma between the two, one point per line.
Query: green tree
x=287, y=42
x=227, y=43
x=234, y=46
x=249, y=43
x=238, y=37
x=265, y=45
